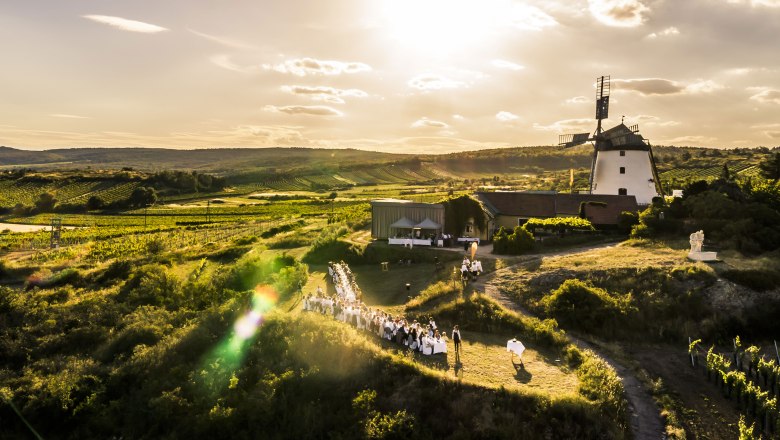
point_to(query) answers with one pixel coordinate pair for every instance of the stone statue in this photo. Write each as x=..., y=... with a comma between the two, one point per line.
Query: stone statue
x=696, y=240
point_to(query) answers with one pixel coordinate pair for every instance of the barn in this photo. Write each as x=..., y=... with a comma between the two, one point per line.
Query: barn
x=394, y=218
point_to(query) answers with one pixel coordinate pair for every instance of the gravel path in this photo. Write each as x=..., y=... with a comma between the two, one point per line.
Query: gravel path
x=645, y=418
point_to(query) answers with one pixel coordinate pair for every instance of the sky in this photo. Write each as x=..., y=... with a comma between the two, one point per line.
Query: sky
x=403, y=76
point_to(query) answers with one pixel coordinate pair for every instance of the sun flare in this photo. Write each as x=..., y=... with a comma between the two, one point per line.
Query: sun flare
x=445, y=26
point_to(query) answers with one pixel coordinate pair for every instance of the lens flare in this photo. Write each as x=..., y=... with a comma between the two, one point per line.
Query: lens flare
x=222, y=362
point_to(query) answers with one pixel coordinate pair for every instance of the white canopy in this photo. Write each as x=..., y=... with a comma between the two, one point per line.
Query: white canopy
x=403, y=223
x=427, y=224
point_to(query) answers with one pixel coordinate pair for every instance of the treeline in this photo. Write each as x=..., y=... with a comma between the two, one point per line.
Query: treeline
x=147, y=193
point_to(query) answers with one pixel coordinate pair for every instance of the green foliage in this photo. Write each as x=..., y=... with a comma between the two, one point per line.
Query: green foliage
x=770, y=167
x=282, y=228
x=434, y=292
x=142, y=196
x=520, y=241
x=581, y=305
x=756, y=279
x=558, y=224
x=481, y=313
x=45, y=202
x=459, y=210
x=600, y=383
x=627, y=220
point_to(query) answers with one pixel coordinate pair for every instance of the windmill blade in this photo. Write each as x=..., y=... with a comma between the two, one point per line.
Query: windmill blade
x=571, y=140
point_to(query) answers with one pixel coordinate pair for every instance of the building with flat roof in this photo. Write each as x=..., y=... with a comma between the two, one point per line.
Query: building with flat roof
x=403, y=218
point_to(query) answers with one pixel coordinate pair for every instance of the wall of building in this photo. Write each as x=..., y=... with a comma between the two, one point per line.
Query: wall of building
x=637, y=179
x=385, y=214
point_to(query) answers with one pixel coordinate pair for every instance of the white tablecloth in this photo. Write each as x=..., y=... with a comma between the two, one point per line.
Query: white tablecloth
x=469, y=239
x=409, y=241
x=515, y=347
x=438, y=346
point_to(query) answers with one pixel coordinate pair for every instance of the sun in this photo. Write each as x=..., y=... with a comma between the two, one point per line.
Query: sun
x=445, y=26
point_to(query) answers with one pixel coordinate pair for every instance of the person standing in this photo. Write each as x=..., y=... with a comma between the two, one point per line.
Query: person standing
x=456, y=338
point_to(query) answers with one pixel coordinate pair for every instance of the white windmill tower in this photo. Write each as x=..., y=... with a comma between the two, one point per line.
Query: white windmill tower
x=623, y=161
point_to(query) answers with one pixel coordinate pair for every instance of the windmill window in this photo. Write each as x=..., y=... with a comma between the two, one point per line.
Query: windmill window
x=622, y=170
x=622, y=152
x=622, y=192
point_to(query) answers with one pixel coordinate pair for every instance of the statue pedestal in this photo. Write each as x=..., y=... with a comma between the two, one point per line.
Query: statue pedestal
x=703, y=256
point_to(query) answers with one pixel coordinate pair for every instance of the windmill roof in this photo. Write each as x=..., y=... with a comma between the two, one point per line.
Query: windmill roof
x=621, y=137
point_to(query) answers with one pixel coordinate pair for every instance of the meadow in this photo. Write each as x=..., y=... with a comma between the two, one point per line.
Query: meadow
x=131, y=327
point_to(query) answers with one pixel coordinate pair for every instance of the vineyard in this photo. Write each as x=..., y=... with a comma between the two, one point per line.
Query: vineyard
x=681, y=175
x=747, y=377
x=13, y=192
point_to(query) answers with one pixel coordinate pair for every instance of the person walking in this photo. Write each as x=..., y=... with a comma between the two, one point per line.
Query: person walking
x=456, y=338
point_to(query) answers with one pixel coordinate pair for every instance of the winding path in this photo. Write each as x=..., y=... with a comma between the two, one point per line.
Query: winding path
x=645, y=418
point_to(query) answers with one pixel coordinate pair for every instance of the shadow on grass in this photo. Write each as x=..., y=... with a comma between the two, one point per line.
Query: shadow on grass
x=521, y=374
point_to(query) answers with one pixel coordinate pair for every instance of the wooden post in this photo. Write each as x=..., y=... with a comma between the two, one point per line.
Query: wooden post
x=693, y=364
x=777, y=353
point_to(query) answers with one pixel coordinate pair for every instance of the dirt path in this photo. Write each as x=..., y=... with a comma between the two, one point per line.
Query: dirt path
x=645, y=418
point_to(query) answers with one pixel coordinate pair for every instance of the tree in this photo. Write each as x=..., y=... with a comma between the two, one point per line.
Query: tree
x=45, y=202
x=770, y=167
x=724, y=173
x=95, y=202
x=143, y=196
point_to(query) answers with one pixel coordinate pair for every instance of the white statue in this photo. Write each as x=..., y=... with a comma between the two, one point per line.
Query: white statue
x=696, y=240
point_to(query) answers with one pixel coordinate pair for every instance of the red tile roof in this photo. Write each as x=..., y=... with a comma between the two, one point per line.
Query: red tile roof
x=543, y=205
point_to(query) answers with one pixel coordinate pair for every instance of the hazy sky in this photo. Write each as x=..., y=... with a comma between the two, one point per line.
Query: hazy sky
x=413, y=76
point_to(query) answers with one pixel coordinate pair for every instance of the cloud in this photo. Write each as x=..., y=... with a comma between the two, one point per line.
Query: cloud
x=529, y=17
x=649, y=86
x=757, y=3
x=425, y=122
x=125, y=24
x=692, y=140
x=433, y=82
x=274, y=135
x=767, y=96
x=567, y=125
x=660, y=86
x=323, y=93
x=224, y=61
x=311, y=110
x=504, y=64
x=311, y=66
x=703, y=86
x=620, y=13
x=773, y=134
x=66, y=116
x=505, y=116
x=222, y=40
x=578, y=100
x=668, y=32
x=458, y=117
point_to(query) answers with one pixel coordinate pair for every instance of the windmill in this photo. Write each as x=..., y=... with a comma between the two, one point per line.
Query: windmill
x=623, y=161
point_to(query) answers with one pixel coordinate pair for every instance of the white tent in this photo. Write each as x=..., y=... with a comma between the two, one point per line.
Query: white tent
x=403, y=223
x=427, y=224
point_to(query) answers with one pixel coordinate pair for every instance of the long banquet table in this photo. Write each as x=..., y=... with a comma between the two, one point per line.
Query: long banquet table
x=406, y=241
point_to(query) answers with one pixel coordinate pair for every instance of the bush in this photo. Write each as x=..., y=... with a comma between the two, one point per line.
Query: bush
x=586, y=307
x=519, y=242
x=756, y=279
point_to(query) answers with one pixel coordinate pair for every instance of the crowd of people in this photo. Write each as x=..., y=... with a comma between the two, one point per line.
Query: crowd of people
x=470, y=269
x=346, y=306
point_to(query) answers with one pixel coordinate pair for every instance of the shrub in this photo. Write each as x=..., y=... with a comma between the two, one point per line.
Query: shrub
x=756, y=279
x=520, y=241
x=586, y=307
